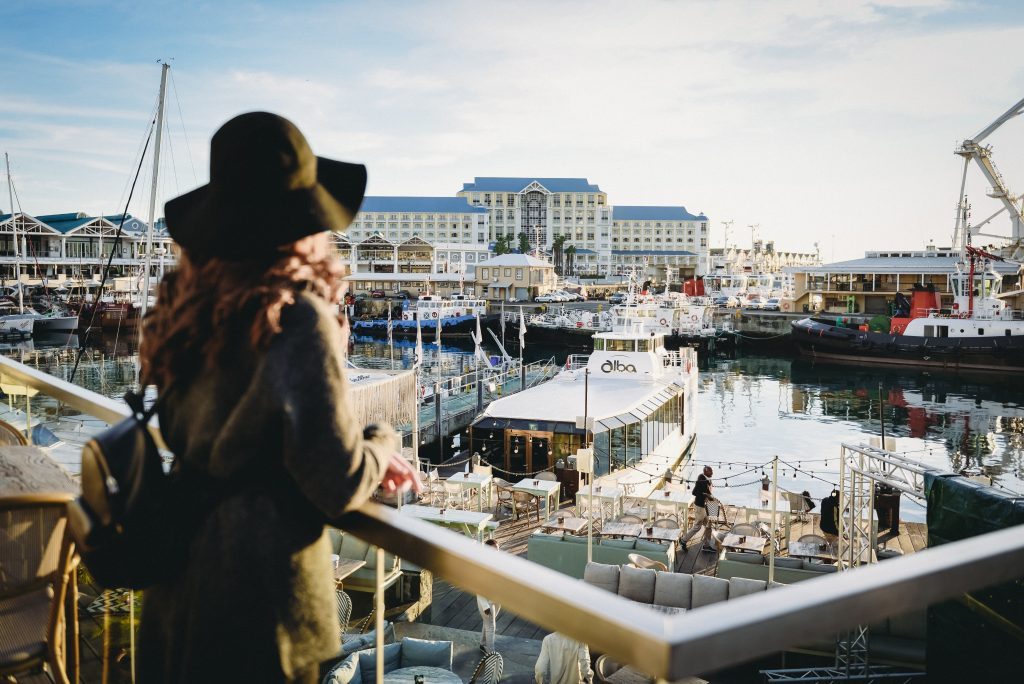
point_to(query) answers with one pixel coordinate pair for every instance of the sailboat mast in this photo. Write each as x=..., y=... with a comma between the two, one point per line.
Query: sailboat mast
x=14, y=232
x=152, y=197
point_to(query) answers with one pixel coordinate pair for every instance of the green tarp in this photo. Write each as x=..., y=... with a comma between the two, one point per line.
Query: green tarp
x=979, y=637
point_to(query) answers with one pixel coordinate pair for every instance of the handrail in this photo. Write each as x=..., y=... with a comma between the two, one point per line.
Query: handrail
x=664, y=646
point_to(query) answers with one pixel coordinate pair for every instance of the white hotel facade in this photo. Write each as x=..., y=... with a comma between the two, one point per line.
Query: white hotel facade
x=398, y=239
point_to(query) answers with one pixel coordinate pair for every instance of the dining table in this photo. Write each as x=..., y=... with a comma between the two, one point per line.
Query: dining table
x=813, y=550
x=479, y=482
x=565, y=523
x=449, y=517
x=748, y=542
x=661, y=534
x=545, y=489
x=607, y=499
x=618, y=529
x=430, y=675
x=678, y=500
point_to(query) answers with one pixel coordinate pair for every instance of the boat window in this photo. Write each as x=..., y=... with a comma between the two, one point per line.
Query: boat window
x=642, y=345
x=682, y=414
x=564, y=445
x=598, y=344
x=616, y=447
x=1008, y=333
x=981, y=331
x=929, y=331
x=620, y=345
x=942, y=331
x=634, y=444
x=601, y=446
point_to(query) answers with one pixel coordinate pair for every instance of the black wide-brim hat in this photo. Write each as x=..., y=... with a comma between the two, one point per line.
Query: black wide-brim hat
x=267, y=189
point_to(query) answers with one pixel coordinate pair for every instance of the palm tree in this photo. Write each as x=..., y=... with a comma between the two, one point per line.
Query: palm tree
x=570, y=265
x=524, y=243
x=557, y=244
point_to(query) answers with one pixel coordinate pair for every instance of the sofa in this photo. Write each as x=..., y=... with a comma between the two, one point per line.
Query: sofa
x=755, y=566
x=568, y=553
x=361, y=667
x=365, y=578
x=670, y=592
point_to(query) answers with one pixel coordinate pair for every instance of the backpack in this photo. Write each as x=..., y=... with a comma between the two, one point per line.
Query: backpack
x=126, y=522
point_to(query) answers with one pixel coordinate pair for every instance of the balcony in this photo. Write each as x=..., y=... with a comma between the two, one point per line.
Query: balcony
x=701, y=640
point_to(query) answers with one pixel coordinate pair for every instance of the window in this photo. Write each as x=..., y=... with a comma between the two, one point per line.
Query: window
x=599, y=344
x=620, y=345
x=519, y=274
x=929, y=331
x=510, y=199
x=508, y=272
x=981, y=331
x=484, y=273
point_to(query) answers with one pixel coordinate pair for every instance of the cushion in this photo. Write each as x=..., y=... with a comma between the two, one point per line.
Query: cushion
x=644, y=545
x=335, y=535
x=673, y=589
x=601, y=575
x=637, y=584
x=618, y=543
x=741, y=586
x=573, y=539
x=740, y=557
x=708, y=590
x=368, y=661
x=354, y=548
x=818, y=567
x=345, y=672
x=357, y=642
x=791, y=563
x=426, y=653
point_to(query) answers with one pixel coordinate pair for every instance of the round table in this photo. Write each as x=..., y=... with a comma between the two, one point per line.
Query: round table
x=431, y=675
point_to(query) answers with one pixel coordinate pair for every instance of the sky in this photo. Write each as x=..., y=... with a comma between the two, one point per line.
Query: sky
x=821, y=122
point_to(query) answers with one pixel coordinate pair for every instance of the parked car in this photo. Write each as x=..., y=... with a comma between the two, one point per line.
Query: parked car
x=754, y=303
x=773, y=304
x=617, y=298
x=574, y=297
x=404, y=294
x=727, y=301
x=377, y=294
x=546, y=298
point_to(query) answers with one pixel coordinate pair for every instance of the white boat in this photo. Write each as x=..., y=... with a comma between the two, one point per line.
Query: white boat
x=672, y=314
x=52, y=321
x=637, y=398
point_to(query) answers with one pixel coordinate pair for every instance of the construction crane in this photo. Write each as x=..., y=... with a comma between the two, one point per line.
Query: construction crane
x=1012, y=204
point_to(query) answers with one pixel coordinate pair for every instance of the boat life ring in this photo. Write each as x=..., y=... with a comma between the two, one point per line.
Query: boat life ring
x=406, y=317
x=693, y=318
x=785, y=306
x=663, y=321
x=458, y=313
x=433, y=314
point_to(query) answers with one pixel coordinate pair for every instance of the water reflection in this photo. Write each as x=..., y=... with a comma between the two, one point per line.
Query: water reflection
x=752, y=409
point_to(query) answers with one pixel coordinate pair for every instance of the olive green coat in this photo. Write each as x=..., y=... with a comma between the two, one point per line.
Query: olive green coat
x=255, y=601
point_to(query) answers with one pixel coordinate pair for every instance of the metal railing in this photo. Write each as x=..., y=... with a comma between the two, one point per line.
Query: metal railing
x=663, y=646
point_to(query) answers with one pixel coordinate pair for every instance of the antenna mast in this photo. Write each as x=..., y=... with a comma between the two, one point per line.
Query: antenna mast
x=164, y=66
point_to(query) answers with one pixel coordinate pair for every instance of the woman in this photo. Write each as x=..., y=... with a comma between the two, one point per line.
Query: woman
x=246, y=347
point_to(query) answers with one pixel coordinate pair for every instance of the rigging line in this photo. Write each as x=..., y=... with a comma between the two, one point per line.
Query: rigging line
x=181, y=119
x=138, y=155
x=110, y=259
x=174, y=165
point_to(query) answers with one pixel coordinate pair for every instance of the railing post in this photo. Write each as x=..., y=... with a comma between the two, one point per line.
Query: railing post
x=479, y=393
x=439, y=430
x=522, y=376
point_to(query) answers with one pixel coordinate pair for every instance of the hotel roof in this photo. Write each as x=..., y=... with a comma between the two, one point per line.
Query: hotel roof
x=515, y=260
x=507, y=184
x=640, y=213
x=426, y=205
x=653, y=252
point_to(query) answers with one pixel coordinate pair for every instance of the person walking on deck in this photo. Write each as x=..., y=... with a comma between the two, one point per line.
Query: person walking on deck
x=246, y=348
x=488, y=614
x=701, y=496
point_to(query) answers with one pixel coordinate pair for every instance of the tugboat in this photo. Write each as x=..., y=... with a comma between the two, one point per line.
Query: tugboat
x=979, y=331
x=456, y=316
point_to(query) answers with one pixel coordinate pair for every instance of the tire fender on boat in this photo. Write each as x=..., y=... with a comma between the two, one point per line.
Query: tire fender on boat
x=663, y=321
x=433, y=314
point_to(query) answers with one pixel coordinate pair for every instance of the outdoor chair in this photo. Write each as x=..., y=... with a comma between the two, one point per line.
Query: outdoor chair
x=484, y=470
x=812, y=538
x=634, y=519
x=745, y=529
x=488, y=670
x=38, y=591
x=524, y=502
x=503, y=496
x=666, y=523
x=11, y=436
x=645, y=563
x=361, y=666
x=454, y=496
x=546, y=475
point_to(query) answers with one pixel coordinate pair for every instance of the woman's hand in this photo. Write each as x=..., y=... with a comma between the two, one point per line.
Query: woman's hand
x=400, y=476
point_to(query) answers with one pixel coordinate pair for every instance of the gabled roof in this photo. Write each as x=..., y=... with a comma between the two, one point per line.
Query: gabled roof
x=642, y=213
x=653, y=252
x=507, y=184
x=426, y=205
x=519, y=260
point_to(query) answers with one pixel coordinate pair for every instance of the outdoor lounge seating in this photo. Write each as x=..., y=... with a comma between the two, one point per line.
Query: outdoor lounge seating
x=363, y=579
x=568, y=553
x=361, y=667
x=669, y=591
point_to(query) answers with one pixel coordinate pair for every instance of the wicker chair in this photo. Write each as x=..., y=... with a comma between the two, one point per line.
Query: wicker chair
x=745, y=529
x=546, y=475
x=503, y=496
x=38, y=591
x=488, y=670
x=524, y=502
x=812, y=538
x=11, y=436
x=638, y=561
x=666, y=523
x=634, y=519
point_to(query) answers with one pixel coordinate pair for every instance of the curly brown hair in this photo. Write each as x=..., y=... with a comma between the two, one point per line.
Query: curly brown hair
x=204, y=304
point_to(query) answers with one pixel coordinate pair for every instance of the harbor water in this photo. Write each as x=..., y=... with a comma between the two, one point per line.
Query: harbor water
x=750, y=410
